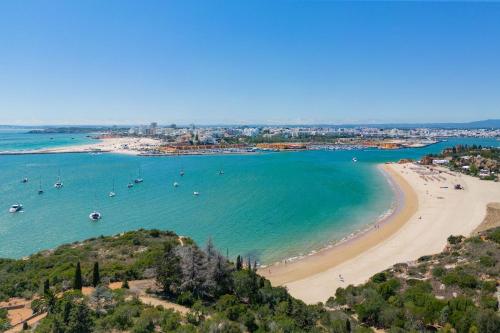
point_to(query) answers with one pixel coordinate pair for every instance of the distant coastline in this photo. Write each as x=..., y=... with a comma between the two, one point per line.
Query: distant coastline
x=148, y=146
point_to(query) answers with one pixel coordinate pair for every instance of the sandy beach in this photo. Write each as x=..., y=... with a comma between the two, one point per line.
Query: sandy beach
x=429, y=210
x=121, y=145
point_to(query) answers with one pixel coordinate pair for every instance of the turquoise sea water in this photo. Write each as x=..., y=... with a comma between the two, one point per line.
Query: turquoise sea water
x=16, y=139
x=270, y=206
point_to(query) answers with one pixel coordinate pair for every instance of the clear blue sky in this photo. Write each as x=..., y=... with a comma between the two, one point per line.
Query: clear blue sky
x=206, y=62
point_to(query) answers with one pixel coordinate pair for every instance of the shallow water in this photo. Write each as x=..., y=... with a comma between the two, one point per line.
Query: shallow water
x=269, y=206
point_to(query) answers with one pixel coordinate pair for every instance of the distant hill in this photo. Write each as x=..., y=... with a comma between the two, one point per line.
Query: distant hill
x=486, y=124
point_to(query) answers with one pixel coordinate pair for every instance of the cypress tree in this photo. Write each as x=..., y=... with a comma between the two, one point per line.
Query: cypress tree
x=95, y=275
x=239, y=264
x=46, y=286
x=77, y=283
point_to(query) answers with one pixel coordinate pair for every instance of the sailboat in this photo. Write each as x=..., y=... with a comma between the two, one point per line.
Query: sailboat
x=176, y=184
x=58, y=183
x=221, y=172
x=112, y=193
x=40, y=191
x=181, y=173
x=139, y=179
x=24, y=180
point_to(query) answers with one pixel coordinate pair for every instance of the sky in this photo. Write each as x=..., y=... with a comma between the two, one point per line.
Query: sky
x=248, y=62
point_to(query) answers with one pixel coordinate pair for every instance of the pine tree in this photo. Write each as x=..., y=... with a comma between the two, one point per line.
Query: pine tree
x=77, y=283
x=80, y=319
x=125, y=284
x=95, y=275
x=193, y=266
x=168, y=270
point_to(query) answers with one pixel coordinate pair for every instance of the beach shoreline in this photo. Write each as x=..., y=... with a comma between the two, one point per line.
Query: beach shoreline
x=133, y=146
x=404, y=205
x=431, y=211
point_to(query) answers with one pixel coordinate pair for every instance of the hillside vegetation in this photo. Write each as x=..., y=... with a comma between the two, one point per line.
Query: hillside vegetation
x=454, y=291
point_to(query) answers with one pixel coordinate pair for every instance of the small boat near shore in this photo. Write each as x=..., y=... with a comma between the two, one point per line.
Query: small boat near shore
x=15, y=208
x=176, y=184
x=195, y=193
x=24, y=180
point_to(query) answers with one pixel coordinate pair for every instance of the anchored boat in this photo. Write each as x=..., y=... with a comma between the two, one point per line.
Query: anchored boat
x=15, y=208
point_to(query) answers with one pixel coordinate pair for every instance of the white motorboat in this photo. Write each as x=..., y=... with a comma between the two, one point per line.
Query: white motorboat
x=130, y=185
x=24, y=180
x=176, y=184
x=15, y=208
x=95, y=215
x=354, y=159
x=196, y=193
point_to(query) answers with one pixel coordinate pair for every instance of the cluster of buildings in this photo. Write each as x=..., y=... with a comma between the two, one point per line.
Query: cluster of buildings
x=214, y=134
x=481, y=162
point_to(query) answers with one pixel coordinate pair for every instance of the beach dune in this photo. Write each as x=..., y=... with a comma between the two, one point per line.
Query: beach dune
x=429, y=210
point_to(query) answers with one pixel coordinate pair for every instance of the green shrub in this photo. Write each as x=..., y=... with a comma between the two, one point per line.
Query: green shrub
x=455, y=239
x=487, y=261
x=379, y=277
x=186, y=298
x=495, y=236
x=489, y=302
x=438, y=271
x=489, y=286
